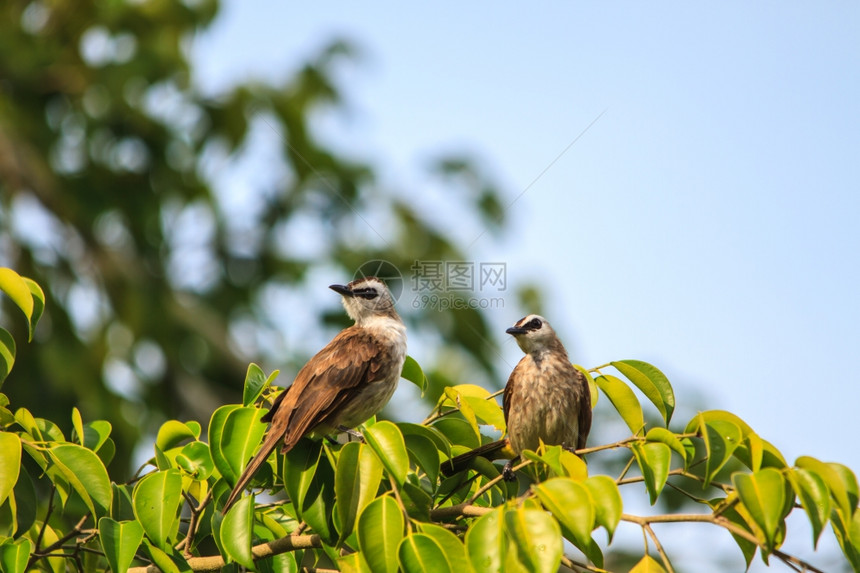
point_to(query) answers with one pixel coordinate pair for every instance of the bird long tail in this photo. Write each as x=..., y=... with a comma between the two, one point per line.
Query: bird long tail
x=269, y=445
x=490, y=451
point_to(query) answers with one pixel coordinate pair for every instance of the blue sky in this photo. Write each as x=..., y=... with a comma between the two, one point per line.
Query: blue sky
x=707, y=222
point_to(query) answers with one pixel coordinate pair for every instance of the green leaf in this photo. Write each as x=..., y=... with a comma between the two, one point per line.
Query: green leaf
x=624, y=400
x=172, y=433
x=196, y=459
x=420, y=553
x=457, y=432
x=119, y=541
x=571, y=505
x=834, y=479
x=167, y=562
x=38, y=304
x=606, y=500
x=356, y=482
x=763, y=495
x=16, y=287
x=814, y=497
x=416, y=501
x=387, y=442
x=7, y=354
x=721, y=438
x=670, y=439
x=652, y=383
x=14, y=555
x=156, y=500
x=236, y=532
x=486, y=544
x=648, y=565
x=654, y=459
x=452, y=547
x=380, y=529
x=86, y=474
x=423, y=452
x=537, y=538
x=10, y=463
x=487, y=411
x=300, y=466
x=255, y=382
x=235, y=434
x=412, y=371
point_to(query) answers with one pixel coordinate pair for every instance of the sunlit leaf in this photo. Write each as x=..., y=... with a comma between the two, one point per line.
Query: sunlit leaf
x=648, y=565
x=412, y=371
x=10, y=463
x=235, y=433
x=624, y=401
x=452, y=547
x=380, y=528
x=119, y=541
x=814, y=497
x=86, y=474
x=652, y=383
x=606, y=500
x=840, y=488
x=38, y=304
x=14, y=555
x=357, y=478
x=670, y=439
x=570, y=503
x=592, y=387
x=17, y=289
x=7, y=354
x=172, y=433
x=537, y=537
x=156, y=499
x=420, y=553
x=721, y=438
x=485, y=542
x=236, y=532
x=387, y=442
x=763, y=495
x=654, y=459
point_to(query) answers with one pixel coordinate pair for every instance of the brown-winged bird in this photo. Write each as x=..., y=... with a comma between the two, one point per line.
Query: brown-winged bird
x=345, y=383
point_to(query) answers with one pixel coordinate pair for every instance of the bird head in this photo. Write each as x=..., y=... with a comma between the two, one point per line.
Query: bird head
x=366, y=298
x=533, y=333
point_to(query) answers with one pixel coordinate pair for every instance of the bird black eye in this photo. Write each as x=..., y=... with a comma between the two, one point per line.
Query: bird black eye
x=367, y=293
x=534, y=324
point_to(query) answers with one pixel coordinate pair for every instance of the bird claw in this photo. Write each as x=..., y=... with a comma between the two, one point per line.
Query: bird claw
x=351, y=433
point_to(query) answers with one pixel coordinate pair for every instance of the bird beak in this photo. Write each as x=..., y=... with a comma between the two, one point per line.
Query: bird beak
x=515, y=330
x=342, y=290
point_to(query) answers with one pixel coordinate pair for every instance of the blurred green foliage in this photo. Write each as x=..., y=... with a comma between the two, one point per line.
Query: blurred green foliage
x=113, y=196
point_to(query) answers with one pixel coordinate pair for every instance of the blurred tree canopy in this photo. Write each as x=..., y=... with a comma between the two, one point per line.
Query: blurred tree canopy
x=160, y=288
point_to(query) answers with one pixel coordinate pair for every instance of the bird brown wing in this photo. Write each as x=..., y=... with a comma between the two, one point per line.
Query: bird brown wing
x=584, y=420
x=328, y=381
x=511, y=389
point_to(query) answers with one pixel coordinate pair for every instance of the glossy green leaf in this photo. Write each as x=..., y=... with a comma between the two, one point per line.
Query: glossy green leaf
x=157, y=498
x=300, y=466
x=196, y=459
x=7, y=354
x=357, y=478
x=710, y=415
x=487, y=411
x=119, y=541
x=839, y=489
x=457, y=432
x=380, y=528
x=316, y=507
x=721, y=438
x=420, y=553
x=387, y=442
x=652, y=383
x=10, y=463
x=85, y=473
x=606, y=500
x=172, y=433
x=814, y=497
x=486, y=544
x=96, y=434
x=562, y=462
x=747, y=547
x=847, y=532
x=654, y=459
x=670, y=439
x=763, y=495
x=434, y=435
x=38, y=304
x=236, y=532
x=571, y=504
x=255, y=382
x=235, y=433
x=648, y=565
x=537, y=537
x=624, y=400
x=423, y=453
x=168, y=562
x=14, y=555
x=17, y=289
x=412, y=371
x=452, y=547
